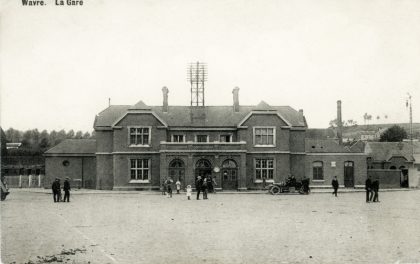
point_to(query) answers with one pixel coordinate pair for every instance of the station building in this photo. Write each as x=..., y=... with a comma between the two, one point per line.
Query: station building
x=138, y=146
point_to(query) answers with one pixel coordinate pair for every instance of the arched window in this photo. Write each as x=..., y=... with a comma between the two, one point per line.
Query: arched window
x=229, y=164
x=203, y=164
x=176, y=163
x=318, y=170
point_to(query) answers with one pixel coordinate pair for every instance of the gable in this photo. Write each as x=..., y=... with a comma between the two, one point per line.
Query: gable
x=264, y=119
x=139, y=118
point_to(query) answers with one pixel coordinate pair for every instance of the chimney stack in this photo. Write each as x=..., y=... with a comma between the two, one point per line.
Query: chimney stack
x=339, y=123
x=165, y=92
x=235, y=99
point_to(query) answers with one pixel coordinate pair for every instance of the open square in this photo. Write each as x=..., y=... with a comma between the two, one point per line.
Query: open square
x=145, y=227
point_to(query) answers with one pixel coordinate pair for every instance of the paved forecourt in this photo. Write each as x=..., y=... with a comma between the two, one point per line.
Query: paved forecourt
x=244, y=228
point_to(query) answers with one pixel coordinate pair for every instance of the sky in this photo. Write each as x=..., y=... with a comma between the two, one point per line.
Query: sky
x=60, y=64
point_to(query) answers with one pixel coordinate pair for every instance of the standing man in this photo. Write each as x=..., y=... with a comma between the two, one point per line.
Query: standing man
x=56, y=190
x=334, y=184
x=66, y=188
x=368, y=188
x=198, y=186
x=169, y=182
x=375, y=187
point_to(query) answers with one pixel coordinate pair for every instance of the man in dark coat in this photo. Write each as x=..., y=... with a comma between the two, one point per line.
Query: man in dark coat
x=204, y=187
x=375, y=188
x=198, y=186
x=56, y=190
x=334, y=184
x=66, y=188
x=368, y=188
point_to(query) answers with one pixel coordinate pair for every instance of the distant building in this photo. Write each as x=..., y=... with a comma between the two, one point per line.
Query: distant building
x=394, y=162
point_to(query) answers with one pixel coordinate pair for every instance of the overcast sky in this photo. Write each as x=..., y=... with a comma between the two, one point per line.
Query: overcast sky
x=59, y=64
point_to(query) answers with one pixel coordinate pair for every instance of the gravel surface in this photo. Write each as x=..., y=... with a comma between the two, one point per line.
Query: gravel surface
x=226, y=228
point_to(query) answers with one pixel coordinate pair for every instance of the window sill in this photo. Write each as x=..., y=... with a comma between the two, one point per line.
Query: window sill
x=139, y=146
x=139, y=181
x=264, y=146
x=318, y=180
x=260, y=181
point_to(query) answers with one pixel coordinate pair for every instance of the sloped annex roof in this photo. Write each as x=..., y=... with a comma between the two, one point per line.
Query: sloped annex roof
x=74, y=146
x=207, y=116
x=326, y=146
x=384, y=151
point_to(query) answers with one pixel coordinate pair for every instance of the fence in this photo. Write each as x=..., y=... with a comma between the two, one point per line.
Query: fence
x=25, y=181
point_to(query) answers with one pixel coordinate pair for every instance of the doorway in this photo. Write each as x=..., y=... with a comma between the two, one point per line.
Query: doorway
x=349, y=174
x=177, y=170
x=229, y=175
x=404, y=177
x=203, y=168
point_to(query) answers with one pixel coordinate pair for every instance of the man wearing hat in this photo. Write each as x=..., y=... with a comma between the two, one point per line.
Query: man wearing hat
x=56, y=190
x=66, y=188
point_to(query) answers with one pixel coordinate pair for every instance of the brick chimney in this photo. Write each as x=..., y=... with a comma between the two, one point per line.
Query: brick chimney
x=339, y=123
x=235, y=92
x=165, y=92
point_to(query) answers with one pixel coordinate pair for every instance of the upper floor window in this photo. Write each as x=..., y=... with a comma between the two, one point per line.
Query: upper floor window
x=202, y=138
x=140, y=135
x=264, y=136
x=318, y=170
x=139, y=169
x=225, y=138
x=178, y=138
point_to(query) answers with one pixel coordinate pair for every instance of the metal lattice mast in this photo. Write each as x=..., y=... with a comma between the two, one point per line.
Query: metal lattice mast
x=197, y=76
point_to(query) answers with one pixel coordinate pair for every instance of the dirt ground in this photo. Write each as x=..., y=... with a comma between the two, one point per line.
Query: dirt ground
x=228, y=228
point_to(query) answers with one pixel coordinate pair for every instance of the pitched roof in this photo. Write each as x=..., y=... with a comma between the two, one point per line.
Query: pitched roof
x=207, y=116
x=325, y=146
x=384, y=151
x=139, y=106
x=74, y=146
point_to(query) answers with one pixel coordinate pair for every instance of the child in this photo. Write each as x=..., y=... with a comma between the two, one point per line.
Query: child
x=178, y=186
x=189, y=190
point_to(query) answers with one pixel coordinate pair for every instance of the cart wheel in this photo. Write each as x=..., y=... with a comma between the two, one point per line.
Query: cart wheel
x=275, y=190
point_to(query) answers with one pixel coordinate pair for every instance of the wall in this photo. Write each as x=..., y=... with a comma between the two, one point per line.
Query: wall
x=414, y=176
x=78, y=168
x=104, y=172
x=387, y=178
x=360, y=168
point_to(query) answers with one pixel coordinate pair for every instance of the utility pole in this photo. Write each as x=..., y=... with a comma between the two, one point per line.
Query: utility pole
x=408, y=104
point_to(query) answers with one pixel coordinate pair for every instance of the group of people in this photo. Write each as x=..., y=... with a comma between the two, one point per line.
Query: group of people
x=203, y=185
x=56, y=190
x=372, y=190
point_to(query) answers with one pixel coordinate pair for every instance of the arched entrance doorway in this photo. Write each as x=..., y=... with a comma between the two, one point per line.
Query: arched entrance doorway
x=404, y=177
x=229, y=175
x=177, y=170
x=348, y=174
x=202, y=168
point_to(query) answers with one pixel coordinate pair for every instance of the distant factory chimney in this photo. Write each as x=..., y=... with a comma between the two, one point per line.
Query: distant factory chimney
x=165, y=92
x=339, y=123
x=235, y=92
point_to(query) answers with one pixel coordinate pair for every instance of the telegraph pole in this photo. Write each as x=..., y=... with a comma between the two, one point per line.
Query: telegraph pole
x=408, y=104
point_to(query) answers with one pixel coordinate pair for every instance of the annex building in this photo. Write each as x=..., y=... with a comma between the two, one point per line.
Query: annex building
x=138, y=146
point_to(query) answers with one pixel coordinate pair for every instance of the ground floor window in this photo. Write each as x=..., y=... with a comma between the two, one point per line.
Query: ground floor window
x=318, y=170
x=139, y=169
x=264, y=169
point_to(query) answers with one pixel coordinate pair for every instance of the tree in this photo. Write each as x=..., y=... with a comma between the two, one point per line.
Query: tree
x=70, y=134
x=79, y=135
x=86, y=135
x=393, y=134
